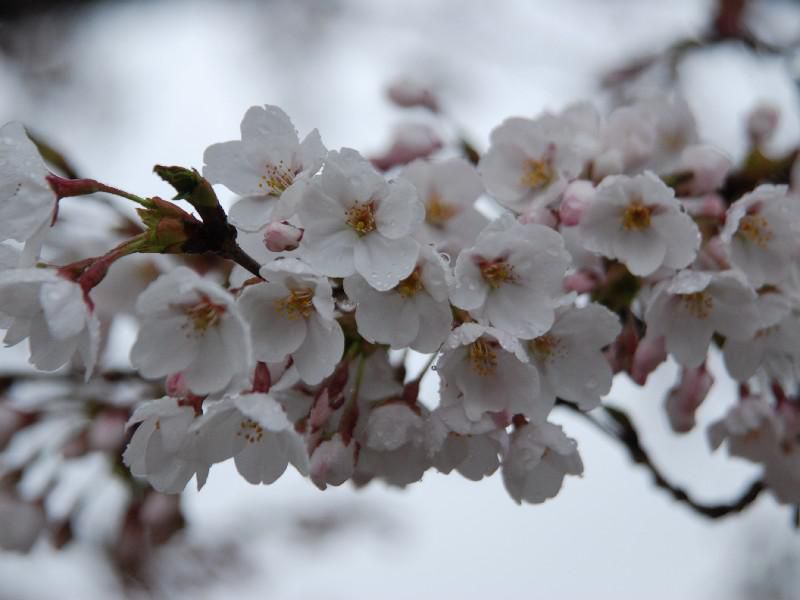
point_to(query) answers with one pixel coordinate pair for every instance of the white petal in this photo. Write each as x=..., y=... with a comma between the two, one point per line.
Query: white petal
x=384, y=262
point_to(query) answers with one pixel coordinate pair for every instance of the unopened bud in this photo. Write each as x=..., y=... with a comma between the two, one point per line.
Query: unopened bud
x=762, y=123
x=577, y=197
x=408, y=94
x=684, y=399
x=281, y=236
x=649, y=353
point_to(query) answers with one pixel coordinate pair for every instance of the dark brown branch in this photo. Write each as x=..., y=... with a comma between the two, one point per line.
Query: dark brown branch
x=622, y=430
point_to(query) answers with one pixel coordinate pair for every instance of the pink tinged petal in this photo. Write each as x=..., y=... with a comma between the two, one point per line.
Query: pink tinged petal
x=688, y=339
x=321, y=215
x=743, y=357
x=435, y=322
x=232, y=165
x=386, y=318
x=211, y=370
x=64, y=308
x=27, y=201
x=594, y=325
x=520, y=311
x=681, y=235
x=331, y=255
x=482, y=459
x=457, y=181
x=502, y=169
x=47, y=353
x=264, y=461
x=312, y=152
x=469, y=291
x=274, y=334
x=400, y=212
x=268, y=124
x=641, y=251
x=384, y=262
x=163, y=347
x=251, y=213
x=134, y=455
x=321, y=350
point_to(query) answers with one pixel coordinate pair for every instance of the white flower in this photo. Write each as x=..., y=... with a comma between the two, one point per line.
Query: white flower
x=638, y=221
x=537, y=461
x=254, y=430
x=448, y=189
x=569, y=356
x=691, y=307
x=268, y=162
x=751, y=428
x=393, y=445
x=191, y=324
x=484, y=370
x=27, y=201
x=414, y=314
x=761, y=234
x=471, y=448
x=355, y=222
x=333, y=462
x=160, y=450
x=708, y=165
x=52, y=313
x=512, y=277
x=293, y=315
x=529, y=161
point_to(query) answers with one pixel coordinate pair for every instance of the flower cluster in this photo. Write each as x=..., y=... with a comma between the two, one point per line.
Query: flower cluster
x=604, y=244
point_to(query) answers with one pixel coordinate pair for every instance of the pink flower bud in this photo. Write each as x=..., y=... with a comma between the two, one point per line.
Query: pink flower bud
x=280, y=236
x=684, y=399
x=412, y=141
x=176, y=386
x=408, y=94
x=333, y=462
x=576, y=198
x=762, y=123
x=709, y=167
x=648, y=355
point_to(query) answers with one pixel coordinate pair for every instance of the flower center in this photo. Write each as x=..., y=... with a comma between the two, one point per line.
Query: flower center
x=537, y=174
x=544, y=346
x=361, y=217
x=411, y=285
x=483, y=357
x=204, y=314
x=756, y=229
x=636, y=216
x=276, y=178
x=698, y=304
x=438, y=212
x=298, y=304
x=496, y=272
x=251, y=431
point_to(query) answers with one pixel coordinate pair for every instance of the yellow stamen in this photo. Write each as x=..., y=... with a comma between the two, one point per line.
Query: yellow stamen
x=544, y=346
x=298, y=304
x=756, y=229
x=205, y=314
x=361, y=217
x=483, y=357
x=636, y=216
x=537, y=174
x=251, y=431
x=497, y=272
x=698, y=304
x=438, y=212
x=277, y=178
x=411, y=285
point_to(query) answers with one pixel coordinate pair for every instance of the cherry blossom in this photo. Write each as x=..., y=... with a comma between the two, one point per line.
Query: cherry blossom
x=512, y=277
x=268, y=162
x=292, y=314
x=52, y=313
x=191, y=325
x=538, y=459
x=27, y=201
x=638, y=221
x=356, y=222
